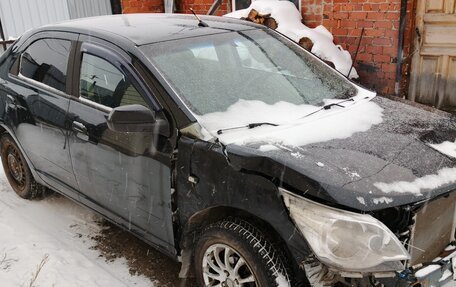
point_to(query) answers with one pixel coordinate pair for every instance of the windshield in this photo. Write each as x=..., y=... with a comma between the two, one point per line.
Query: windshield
x=212, y=73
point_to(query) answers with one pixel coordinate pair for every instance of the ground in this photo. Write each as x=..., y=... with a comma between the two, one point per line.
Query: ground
x=55, y=242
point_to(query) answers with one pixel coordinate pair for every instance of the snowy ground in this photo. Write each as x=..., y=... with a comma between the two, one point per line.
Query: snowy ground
x=55, y=233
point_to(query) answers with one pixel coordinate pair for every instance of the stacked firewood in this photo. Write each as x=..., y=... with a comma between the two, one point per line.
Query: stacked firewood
x=258, y=18
x=266, y=20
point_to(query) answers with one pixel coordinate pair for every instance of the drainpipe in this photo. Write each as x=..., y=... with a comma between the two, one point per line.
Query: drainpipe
x=169, y=6
x=400, y=47
x=214, y=7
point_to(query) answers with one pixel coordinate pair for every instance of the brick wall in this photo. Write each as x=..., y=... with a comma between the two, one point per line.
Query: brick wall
x=377, y=58
x=142, y=6
x=202, y=6
x=345, y=19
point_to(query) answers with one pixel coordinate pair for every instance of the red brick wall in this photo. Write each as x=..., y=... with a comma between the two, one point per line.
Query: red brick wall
x=202, y=6
x=142, y=6
x=182, y=6
x=377, y=58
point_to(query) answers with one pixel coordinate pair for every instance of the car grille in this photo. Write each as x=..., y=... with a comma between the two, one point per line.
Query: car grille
x=433, y=230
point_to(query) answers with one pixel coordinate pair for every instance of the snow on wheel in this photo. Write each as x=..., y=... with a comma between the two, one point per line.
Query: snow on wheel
x=233, y=253
x=17, y=171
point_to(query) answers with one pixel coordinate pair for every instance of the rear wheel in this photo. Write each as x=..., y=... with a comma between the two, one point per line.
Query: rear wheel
x=233, y=253
x=17, y=171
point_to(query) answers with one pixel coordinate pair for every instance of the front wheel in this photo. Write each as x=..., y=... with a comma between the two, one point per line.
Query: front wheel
x=233, y=253
x=17, y=171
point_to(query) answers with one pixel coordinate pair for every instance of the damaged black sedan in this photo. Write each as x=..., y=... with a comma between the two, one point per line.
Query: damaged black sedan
x=233, y=150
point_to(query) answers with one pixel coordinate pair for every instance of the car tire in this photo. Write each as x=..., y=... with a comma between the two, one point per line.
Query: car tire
x=246, y=246
x=17, y=170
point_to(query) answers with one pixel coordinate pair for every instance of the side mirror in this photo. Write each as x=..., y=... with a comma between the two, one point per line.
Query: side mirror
x=136, y=118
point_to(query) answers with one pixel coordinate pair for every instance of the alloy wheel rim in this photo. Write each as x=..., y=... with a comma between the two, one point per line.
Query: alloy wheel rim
x=223, y=266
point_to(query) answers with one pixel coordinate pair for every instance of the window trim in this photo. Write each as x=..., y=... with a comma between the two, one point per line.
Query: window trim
x=40, y=85
x=120, y=63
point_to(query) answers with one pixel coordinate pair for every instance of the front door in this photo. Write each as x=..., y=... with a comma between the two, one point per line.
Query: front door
x=433, y=72
x=117, y=172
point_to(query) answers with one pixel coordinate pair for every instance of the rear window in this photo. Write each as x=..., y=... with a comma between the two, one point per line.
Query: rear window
x=46, y=61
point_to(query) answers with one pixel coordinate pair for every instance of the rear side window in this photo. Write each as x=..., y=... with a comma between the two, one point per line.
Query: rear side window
x=46, y=61
x=103, y=83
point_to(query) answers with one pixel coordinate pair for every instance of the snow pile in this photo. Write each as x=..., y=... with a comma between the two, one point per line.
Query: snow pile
x=447, y=147
x=383, y=199
x=294, y=130
x=54, y=232
x=289, y=23
x=282, y=281
x=361, y=200
x=443, y=177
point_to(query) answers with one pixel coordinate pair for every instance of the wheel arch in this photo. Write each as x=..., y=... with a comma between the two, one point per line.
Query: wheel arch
x=195, y=224
x=6, y=130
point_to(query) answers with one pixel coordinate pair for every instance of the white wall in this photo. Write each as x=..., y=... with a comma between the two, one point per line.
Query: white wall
x=18, y=16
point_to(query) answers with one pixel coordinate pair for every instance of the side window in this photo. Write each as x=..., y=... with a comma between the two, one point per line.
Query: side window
x=103, y=83
x=46, y=61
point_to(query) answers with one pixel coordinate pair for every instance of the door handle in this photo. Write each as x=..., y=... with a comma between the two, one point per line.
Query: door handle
x=12, y=102
x=12, y=99
x=79, y=127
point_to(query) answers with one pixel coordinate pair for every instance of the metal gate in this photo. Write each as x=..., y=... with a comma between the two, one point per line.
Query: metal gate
x=433, y=72
x=18, y=16
x=89, y=8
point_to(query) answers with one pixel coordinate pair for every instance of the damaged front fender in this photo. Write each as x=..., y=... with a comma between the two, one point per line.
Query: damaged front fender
x=209, y=187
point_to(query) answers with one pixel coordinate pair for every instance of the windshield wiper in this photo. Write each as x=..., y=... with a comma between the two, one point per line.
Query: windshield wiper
x=329, y=106
x=249, y=126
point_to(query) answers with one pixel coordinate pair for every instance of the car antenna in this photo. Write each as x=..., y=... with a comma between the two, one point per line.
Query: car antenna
x=356, y=53
x=201, y=23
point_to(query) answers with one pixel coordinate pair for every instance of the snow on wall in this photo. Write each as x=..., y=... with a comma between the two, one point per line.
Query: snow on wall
x=289, y=23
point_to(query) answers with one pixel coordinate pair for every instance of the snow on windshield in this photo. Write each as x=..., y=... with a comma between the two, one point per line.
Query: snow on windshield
x=289, y=23
x=212, y=72
x=294, y=129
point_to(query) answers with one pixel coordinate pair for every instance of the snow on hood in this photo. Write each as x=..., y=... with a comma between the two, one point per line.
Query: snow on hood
x=443, y=177
x=293, y=130
x=390, y=164
x=289, y=23
x=447, y=147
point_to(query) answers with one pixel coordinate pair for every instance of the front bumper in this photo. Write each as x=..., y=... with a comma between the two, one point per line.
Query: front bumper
x=440, y=272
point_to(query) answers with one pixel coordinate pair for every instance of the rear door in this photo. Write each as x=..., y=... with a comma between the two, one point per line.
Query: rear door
x=39, y=85
x=120, y=174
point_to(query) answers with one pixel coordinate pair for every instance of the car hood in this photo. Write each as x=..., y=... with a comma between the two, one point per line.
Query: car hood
x=392, y=163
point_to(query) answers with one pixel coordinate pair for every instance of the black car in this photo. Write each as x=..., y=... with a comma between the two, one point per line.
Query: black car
x=231, y=149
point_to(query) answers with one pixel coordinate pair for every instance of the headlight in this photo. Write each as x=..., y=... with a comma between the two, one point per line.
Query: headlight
x=345, y=240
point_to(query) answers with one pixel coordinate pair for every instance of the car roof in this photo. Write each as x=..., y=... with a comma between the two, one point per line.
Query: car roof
x=142, y=29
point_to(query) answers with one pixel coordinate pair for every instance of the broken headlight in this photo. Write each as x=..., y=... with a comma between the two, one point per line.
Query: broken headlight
x=346, y=240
